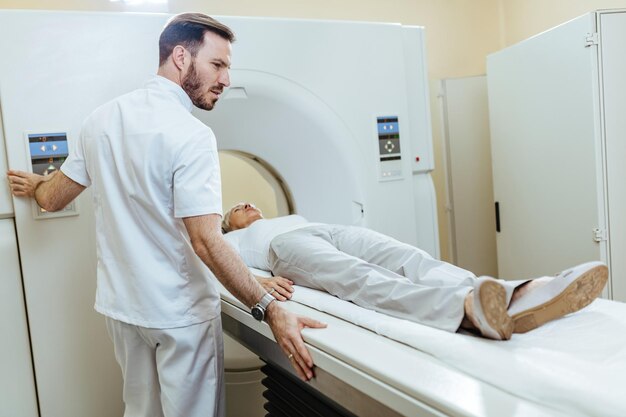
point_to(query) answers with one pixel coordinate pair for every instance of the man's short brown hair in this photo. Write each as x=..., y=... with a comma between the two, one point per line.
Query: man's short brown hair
x=187, y=30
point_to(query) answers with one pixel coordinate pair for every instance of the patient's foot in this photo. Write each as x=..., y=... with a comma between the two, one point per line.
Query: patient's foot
x=529, y=286
x=553, y=297
x=485, y=310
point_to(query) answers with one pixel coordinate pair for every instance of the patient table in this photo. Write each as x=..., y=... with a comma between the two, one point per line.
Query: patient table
x=369, y=364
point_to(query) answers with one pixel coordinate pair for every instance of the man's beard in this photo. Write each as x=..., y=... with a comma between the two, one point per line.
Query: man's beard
x=195, y=89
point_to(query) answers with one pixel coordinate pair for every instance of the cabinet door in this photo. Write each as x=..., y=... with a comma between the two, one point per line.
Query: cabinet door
x=17, y=384
x=6, y=205
x=612, y=46
x=543, y=116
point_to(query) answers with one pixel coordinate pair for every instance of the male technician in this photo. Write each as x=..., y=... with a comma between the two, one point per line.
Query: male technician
x=156, y=186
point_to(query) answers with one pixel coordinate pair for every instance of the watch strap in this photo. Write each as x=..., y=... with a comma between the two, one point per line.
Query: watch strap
x=266, y=300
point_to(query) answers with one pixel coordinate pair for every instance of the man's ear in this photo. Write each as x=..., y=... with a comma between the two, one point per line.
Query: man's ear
x=179, y=57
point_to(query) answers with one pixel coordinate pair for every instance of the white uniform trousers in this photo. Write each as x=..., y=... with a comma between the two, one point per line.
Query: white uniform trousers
x=376, y=272
x=171, y=372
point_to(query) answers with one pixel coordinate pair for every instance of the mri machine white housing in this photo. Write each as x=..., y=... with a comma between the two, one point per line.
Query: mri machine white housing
x=305, y=98
x=314, y=92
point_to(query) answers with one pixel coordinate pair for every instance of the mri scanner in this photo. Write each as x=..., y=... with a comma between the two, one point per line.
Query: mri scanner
x=336, y=115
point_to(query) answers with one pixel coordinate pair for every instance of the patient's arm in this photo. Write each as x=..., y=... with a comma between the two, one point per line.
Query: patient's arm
x=209, y=244
x=282, y=286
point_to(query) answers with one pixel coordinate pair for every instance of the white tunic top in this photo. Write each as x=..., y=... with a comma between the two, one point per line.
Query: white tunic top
x=151, y=163
x=253, y=242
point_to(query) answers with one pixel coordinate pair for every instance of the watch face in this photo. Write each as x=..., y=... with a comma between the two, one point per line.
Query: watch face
x=257, y=313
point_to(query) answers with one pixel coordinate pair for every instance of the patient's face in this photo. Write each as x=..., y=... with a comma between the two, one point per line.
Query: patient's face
x=243, y=215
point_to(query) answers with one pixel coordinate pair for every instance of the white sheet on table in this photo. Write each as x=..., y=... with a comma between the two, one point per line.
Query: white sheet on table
x=577, y=363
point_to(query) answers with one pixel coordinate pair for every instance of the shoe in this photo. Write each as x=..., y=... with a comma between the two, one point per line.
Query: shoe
x=490, y=306
x=568, y=292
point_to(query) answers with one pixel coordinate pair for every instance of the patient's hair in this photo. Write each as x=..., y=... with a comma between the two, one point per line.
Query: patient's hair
x=187, y=30
x=226, y=227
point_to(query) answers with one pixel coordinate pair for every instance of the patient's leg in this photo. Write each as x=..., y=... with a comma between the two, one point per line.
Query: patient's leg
x=310, y=257
x=406, y=260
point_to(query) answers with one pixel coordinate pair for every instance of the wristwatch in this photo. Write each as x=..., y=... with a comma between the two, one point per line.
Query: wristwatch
x=258, y=311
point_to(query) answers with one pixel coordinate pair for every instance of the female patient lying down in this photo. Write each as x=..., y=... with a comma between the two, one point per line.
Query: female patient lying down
x=380, y=273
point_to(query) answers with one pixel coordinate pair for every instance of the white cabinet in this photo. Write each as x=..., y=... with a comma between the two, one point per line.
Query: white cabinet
x=556, y=104
x=6, y=205
x=17, y=385
x=72, y=355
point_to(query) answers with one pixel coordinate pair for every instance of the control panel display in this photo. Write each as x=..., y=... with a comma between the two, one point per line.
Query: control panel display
x=389, y=147
x=48, y=151
x=388, y=138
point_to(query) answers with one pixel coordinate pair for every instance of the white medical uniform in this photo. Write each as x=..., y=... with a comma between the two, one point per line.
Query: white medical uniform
x=359, y=265
x=151, y=163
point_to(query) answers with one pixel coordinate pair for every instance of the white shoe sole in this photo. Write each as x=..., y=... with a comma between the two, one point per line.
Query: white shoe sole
x=577, y=295
x=490, y=307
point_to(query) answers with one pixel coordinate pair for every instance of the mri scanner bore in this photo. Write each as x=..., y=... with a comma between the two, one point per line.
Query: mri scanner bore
x=246, y=176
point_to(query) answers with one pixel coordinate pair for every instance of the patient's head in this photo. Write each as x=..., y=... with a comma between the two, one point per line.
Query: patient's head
x=240, y=216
